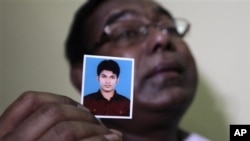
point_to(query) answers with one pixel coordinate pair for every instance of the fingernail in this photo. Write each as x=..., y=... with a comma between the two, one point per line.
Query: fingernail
x=112, y=137
x=116, y=132
x=82, y=107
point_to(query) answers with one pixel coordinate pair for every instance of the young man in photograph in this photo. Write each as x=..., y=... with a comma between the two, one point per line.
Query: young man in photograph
x=106, y=101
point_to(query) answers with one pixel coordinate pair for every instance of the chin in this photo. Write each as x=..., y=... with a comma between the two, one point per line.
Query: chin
x=108, y=91
x=170, y=99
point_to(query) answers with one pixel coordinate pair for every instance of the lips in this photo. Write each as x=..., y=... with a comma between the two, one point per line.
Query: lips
x=165, y=69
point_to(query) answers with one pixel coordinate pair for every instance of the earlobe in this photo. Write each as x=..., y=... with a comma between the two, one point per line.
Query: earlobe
x=76, y=76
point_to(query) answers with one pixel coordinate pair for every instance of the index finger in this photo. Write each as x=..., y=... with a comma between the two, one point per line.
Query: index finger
x=26, y=104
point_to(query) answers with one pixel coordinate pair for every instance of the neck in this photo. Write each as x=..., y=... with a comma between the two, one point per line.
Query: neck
x=107, y=95
x=153, y=135
x=146, y=127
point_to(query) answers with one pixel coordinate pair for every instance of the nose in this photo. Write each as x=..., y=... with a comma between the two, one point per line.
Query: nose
x=107, y=80
x=158, y=40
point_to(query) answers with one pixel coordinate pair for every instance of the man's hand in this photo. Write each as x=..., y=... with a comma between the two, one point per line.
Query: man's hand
x=37, y=116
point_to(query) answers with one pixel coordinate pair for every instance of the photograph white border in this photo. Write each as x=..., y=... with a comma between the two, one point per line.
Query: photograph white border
x=131, y=90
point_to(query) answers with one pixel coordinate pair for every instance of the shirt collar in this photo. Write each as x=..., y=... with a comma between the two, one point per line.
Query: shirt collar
x=100, y=96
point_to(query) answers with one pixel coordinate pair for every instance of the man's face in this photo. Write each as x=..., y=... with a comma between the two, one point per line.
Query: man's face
x=165, y=73
x=107, y=80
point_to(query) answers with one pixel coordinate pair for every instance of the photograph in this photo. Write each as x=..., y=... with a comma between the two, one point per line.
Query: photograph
x=107, y=86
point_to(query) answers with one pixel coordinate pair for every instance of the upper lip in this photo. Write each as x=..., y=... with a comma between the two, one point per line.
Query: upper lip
x=160, y=67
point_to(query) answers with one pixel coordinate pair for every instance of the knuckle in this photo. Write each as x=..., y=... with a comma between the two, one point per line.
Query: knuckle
x=29, y=97
x=52, y=111
x=63, y=132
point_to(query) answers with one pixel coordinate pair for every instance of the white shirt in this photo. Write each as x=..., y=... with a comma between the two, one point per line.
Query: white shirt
x=196, y=137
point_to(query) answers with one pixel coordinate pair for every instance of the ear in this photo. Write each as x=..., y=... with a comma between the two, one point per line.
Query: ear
x=76, y=76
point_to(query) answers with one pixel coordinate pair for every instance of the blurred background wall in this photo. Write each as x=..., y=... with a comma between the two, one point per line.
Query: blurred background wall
x=32, y=35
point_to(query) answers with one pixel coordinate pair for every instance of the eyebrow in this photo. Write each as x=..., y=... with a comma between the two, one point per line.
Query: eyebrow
x=113, y=18
x=113, y=75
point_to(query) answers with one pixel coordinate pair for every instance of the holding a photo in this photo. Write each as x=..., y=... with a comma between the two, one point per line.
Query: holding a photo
x=107, y=101
x=107, y=86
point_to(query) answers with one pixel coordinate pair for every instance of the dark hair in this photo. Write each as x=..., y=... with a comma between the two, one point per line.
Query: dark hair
x=108, y=65
x=76, y=45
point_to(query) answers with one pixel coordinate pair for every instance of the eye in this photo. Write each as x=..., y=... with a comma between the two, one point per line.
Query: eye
x=173, y=31
x=167, y=28
x=103, y=76
x=128, y=34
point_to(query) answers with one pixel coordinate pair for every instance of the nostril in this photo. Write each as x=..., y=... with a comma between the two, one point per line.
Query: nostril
x=157, y=47
x=168, y=46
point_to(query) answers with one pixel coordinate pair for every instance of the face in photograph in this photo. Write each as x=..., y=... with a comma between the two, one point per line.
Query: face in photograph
x=107, y=80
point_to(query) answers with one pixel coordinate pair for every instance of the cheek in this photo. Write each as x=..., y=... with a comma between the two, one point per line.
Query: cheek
x=112, y=50
x=190, y=65
x=114, y=83
x=102, y=81
x=183, y=49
